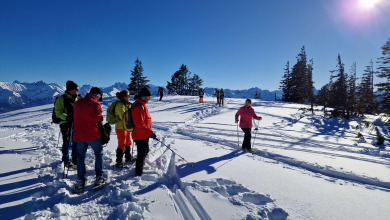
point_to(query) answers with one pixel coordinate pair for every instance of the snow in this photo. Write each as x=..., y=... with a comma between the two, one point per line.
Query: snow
x=305, y=167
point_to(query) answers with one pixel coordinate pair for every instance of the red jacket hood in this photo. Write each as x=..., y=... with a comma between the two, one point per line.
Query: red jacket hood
x=87, y=113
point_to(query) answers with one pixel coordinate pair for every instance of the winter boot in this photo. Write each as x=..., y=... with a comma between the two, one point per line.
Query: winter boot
x=119, y=158
x=127, y=154
x=100, y=180
x=79, y=186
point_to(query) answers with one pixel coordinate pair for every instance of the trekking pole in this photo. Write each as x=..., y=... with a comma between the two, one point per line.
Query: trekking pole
x=173, y=151
x=70, y=145
x=238, y=139
x=58, y=140
x=132, y=149
x=256, y=129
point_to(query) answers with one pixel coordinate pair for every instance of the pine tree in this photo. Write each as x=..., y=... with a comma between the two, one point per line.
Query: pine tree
x=323, y=97
x=338, y=90
x=309, y=85
x=352, y=96
x=384, y=73
x=180, y=81
x=137, y=81
x=366, y=91
x=286, y=84
x=297, y=85
x=299, y=78
x=195, y=82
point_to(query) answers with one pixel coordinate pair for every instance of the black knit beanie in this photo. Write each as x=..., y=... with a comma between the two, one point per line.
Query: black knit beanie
x=144, y=92
x=70, y=85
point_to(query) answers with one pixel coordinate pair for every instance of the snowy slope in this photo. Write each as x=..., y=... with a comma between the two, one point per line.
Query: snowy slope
x=305, y=167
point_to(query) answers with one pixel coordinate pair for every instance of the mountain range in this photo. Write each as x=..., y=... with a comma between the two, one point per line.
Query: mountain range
x=17, y=95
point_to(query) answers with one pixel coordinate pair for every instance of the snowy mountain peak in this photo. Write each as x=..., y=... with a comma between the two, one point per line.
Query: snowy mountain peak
x=17, y=95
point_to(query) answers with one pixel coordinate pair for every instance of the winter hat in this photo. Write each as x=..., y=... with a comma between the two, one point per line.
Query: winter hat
x=144, y=92
x=96, y=91
x=248, y=100
x=70, y=85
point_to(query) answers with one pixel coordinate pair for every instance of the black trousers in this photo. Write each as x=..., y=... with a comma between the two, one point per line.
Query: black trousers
x=66, y=130
x=221, y=100
x=161, y=95
x=142, y=151
x=247, y=138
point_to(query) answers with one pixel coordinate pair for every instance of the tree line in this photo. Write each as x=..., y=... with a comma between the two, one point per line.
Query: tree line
x=342, y=95
x=182, y=81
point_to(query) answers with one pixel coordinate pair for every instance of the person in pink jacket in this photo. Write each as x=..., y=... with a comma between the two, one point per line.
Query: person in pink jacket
x=247, y=113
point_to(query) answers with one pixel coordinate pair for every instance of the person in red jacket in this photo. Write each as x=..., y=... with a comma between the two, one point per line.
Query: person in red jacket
x=87, y=115
x=247, y=113
x=142, y=128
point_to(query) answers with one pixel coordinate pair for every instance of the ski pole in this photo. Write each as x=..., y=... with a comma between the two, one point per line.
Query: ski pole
x=256, y=129
x=173, y=151
x=70, y=145
x=63, y=173
x=58, y=140
x=238, y=139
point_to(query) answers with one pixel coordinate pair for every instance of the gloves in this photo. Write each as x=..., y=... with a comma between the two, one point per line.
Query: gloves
x=153, y=136
x=236, y=120
x=260, y=118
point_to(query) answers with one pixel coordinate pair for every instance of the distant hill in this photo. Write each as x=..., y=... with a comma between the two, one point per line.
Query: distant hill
x=17, y=95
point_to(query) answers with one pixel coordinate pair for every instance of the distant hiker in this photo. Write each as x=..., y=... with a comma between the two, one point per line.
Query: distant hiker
x=161, y=91
x=124, y=140
x=87, y=115
x=63, y=109
x=217, y=95
x=221, y=97
x=247, y=113
x=201, y=94
x=143, y=128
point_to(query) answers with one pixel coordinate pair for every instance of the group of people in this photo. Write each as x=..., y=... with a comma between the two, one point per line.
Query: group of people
x=220, y=94
x=80, y=119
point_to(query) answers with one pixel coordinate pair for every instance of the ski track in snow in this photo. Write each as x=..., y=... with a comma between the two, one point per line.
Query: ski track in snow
x=127, y=196
x=327, y=171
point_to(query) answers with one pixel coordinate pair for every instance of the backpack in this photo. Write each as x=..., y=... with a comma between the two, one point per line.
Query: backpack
x=54, y=118
x=111, y=117
x=105, y=132
x=127, y=119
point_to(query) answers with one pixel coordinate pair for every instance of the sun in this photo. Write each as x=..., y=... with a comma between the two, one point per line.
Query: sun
x=368, y=3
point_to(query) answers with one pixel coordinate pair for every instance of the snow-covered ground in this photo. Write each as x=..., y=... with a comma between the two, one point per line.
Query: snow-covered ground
x=305, y=167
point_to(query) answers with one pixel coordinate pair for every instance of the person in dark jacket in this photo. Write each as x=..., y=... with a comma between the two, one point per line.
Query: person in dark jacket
x=63, y=109
x=161, y=91
x=247, y=113
x=87, y=115
x=143, y=128
x=221, y=97
x=201, y=94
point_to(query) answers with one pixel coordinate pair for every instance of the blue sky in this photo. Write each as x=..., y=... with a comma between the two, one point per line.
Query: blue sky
x=236, y=44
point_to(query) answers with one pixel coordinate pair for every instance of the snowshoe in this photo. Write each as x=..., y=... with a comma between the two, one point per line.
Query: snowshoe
x=131, y=161
x=119, y=165
x=99, y=183
x=71, y=165
x=79, y=187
